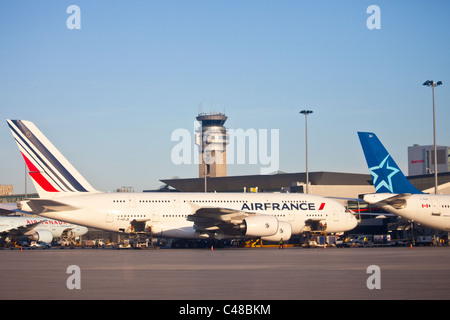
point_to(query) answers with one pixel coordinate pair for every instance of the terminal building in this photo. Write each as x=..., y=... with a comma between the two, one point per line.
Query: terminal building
x=6, y=190
x=421, y=159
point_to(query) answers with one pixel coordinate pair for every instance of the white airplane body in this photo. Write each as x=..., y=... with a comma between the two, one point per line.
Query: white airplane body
x=38, y=228
x=65, y=195
x=200, y=215
x=396, y=194
x=430, y=210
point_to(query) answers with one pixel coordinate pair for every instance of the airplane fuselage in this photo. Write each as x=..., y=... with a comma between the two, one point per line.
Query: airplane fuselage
x=430, y=210
x=166, y=214
x=43, y=229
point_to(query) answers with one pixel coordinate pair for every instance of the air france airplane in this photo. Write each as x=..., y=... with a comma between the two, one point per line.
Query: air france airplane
x=395, y=194
x=65, y=195
x=37, y=228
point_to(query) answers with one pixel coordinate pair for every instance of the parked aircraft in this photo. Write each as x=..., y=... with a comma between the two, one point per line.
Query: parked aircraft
x=65, y=195
x=37, y=228
x=395, y=194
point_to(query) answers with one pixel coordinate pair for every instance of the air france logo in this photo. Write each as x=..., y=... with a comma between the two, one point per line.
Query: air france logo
x=384, y=165
x=253, y=206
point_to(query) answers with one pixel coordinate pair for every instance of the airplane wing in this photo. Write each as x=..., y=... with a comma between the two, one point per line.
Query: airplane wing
x=215, y=218
x=18, y=228
x=8, y=208
x=397, y=201
x=39, y=206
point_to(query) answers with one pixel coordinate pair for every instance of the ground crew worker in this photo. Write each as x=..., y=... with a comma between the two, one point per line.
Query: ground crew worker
x=281, y=244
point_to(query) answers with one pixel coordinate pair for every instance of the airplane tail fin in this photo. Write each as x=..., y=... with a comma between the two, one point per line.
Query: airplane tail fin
x=53, y=176
x=386, y=175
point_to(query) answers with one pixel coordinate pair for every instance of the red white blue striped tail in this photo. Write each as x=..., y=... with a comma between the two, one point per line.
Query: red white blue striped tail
x=52, y=174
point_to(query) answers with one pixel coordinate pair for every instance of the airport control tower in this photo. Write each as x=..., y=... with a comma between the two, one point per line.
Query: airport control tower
x=212, y=141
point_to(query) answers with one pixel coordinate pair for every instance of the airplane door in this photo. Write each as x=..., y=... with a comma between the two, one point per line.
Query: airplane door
x=109, y=217
x=176, y=202
x=436, y=208
x=291, y=216
x=132, y=202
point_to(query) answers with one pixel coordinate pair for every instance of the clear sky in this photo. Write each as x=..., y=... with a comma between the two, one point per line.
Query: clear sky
x=110, y=94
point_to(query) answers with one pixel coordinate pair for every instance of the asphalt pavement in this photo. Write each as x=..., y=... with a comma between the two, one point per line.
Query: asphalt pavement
x=226, y=274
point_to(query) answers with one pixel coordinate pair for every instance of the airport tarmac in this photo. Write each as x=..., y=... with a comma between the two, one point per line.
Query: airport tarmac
x=222, y=274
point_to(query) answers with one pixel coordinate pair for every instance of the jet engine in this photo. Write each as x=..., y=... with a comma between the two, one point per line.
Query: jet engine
x=42, y=235
x=259, y=226
x=284, y=232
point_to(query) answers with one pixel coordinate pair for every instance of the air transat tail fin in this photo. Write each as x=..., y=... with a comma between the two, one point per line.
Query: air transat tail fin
x=53, y=176
x=386, y=175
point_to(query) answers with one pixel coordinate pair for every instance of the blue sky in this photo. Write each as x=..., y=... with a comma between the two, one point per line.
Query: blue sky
x=110, y=94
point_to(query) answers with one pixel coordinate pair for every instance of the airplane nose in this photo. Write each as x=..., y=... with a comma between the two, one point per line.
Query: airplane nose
x=83, y=230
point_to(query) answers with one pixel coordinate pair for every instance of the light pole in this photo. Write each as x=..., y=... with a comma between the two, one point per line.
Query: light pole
x=432, y=84
x=306, y=112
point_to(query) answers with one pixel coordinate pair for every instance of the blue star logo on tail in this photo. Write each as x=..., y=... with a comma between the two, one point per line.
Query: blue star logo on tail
x=387, y=182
